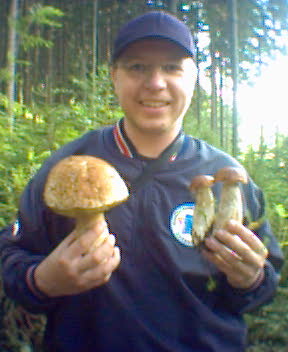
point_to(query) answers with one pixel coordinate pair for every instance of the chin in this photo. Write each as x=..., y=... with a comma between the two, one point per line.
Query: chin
x=156, y=127
x=153, y=124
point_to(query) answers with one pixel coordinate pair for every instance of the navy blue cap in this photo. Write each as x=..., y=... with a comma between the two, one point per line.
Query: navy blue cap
x=154, y=24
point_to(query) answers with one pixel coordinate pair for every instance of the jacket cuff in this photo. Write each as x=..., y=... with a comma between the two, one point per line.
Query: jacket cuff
x=30, y=282
x=260, y=278
x=20, y=286
x=263, y=290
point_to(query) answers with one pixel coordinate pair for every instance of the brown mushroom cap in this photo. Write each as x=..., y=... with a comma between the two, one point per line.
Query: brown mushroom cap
x=231, y=175
x=201, y=181
x=83, y=184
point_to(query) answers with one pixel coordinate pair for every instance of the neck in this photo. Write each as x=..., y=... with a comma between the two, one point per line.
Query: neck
x=150, y=144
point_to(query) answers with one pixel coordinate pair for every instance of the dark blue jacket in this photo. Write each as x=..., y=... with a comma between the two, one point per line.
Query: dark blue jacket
x=164, y=296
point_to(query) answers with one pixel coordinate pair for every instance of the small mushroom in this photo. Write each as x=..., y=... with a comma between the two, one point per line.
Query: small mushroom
x=84, y=187
x=204, y=211
x=230, y=204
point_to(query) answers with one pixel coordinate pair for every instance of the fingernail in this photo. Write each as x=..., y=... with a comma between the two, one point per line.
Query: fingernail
x=112, y=240
x=104, y=234
x=117, y=251
x=232, y=222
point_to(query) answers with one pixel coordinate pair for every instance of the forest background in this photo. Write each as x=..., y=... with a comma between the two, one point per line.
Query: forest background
x=54, y=86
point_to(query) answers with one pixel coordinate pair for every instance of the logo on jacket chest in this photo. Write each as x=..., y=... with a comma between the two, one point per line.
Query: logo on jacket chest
x=181, y=223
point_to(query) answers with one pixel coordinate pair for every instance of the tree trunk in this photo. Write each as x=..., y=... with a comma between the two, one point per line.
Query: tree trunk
x=172, y=6
x=198, y=90
x=95, y=40
x=235, y=74
x=108, y=39
x=221, y=112
x=11, y=59
x=213, y=89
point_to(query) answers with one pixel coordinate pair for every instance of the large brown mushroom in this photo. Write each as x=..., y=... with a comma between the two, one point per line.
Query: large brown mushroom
x=230, y=205
x=84, y=187
x=204, y=211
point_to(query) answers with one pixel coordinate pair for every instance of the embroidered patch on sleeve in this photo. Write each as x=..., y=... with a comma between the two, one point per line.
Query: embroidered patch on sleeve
x=15, y=228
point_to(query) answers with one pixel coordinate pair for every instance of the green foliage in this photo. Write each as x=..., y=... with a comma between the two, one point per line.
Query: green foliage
x=200, y=127
x=260, y=23
x=42, y=128
x=21, y=331
x=273, y=180
x=38, y=130
x=94, y=101
x=44, y=15
x=38, y=15
x=269, y=169
x=268, y=326
x=18, y=161
x=4, y=76
x=33, y=41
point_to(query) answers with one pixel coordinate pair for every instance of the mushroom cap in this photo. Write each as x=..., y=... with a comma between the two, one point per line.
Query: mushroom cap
x=83, y=184
x=201, y=181
x=231, y=175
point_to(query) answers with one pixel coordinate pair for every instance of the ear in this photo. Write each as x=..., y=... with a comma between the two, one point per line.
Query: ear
x=113, y=74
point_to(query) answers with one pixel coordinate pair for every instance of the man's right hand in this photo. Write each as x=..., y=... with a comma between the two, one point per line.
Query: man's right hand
x=73, y=268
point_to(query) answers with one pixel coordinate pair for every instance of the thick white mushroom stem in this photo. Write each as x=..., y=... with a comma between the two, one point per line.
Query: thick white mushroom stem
x=230, y=205
x=84, y=187
x=204, y=211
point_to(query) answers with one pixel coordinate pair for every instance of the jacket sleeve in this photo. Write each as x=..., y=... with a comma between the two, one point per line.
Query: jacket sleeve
x=36, y=232
x=244, y=301
x=23, y=245
x=18, y=266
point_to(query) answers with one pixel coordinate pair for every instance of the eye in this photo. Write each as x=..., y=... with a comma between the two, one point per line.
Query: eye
x=136, y=67
x=172, y=68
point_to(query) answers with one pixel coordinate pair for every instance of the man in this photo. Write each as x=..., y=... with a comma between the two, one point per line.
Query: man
x=164, y=294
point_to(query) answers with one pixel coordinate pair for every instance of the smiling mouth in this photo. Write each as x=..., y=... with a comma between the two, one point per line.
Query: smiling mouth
x=154, y=104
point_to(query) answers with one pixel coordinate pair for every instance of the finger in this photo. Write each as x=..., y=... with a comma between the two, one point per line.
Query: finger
x=85, y=242
x=222, y=252
x=216, y=259
x=235, y=248
x=249, y=237
x=68, y=240
x=101, y=273
x=238, y=273
x=102, y=253
x=225, y=267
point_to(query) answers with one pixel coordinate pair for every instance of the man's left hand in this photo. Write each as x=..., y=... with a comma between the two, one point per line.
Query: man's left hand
x=237, y=252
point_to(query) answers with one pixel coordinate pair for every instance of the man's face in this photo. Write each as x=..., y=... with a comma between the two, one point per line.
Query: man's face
x=154, y=81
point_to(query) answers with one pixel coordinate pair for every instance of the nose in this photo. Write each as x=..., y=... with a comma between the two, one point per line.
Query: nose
x=155, y=79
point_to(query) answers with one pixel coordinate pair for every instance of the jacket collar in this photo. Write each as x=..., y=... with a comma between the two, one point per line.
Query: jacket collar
x=126, y=147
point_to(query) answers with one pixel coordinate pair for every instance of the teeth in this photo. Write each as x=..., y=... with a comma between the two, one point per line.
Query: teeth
x=154, y=104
